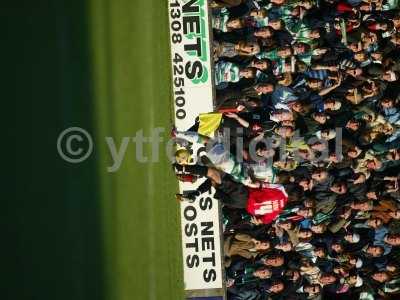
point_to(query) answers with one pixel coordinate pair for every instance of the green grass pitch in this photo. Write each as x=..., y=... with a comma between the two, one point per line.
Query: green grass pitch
x=131, y=51
x=82, y=233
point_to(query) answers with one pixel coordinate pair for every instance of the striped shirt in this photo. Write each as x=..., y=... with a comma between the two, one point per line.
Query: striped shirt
x=271, y=55
x=261, y=22
x=220, y=21
x=346, y=64
x=226, y=72
x=317, y=74
x=279, y=67
x=301, y=33
x=390, y=4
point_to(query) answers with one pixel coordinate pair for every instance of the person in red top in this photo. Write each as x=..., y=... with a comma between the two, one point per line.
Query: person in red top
x=267, y=203
x=264, y=203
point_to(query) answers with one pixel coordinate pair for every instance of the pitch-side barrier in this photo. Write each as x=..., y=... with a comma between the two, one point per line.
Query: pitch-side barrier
x=193, y=93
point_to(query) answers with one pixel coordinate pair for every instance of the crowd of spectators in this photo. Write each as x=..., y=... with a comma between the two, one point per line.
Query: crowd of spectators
x=311, y=198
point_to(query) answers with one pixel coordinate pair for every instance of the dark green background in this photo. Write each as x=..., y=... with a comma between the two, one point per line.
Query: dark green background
x=56, y=213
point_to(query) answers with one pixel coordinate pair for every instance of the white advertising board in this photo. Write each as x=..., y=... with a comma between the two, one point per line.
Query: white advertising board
x=193, y=94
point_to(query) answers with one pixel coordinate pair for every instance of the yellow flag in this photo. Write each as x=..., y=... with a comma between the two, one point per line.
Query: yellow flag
x=209, y=123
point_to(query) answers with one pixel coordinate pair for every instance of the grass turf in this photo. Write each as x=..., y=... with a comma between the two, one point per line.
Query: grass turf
x=82, y=233
x=132, y=77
